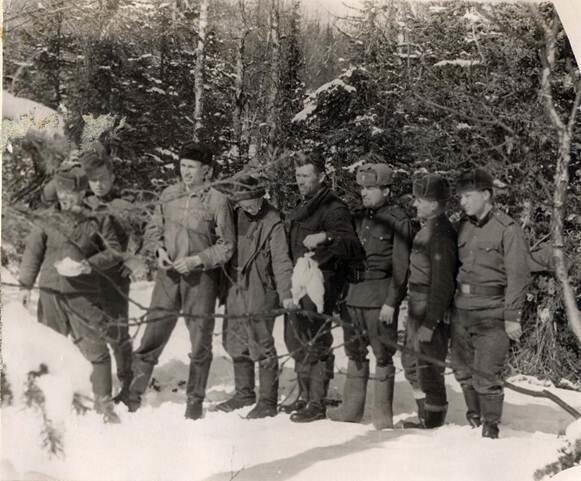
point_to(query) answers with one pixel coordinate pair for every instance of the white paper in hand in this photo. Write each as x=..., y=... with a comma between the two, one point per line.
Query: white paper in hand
x=68, y=267
x=308, y=280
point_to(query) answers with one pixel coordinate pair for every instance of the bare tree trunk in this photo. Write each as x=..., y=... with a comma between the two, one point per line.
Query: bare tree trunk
x=240, y=139
x=199, y=72
x=272, y=111
x=565, y=132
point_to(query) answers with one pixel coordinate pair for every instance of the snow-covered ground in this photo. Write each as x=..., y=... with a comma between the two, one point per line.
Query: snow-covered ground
x=157, y=443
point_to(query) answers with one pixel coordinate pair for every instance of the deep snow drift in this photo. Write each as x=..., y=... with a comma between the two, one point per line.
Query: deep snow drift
x=157, y=443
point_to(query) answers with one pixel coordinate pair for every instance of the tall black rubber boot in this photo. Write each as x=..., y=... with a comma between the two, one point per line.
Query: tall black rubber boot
x=354, y=393
x=268, y=394
x=434, y=415
x=315, y=409
x=196, y=388
x=244, y=394
x=301, y=398
x=383, y=399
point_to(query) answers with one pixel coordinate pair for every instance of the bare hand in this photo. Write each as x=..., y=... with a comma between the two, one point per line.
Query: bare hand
x=133, y=266
x=25, y=297
x=163, y=260
x=513, y=330
x=187, y=264
x=313, y=240
x=386, y=314
x=289, y=304
x=424, y=334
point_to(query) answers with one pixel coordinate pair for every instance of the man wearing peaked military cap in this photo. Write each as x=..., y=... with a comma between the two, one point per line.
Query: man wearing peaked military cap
x=433, y=266
x=374, y=297
x=491, y=289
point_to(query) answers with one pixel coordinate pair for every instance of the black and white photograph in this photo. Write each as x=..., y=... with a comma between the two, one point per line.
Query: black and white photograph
x=291, y=240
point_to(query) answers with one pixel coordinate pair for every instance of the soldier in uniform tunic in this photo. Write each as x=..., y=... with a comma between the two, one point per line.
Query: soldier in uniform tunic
x=372, y=303
x=432, y=280
x=491, y=289
x=321, y=224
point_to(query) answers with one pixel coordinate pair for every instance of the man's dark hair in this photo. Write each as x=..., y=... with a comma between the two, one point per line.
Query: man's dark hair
x=95, y=159
x=310, y=158
x=195, y=151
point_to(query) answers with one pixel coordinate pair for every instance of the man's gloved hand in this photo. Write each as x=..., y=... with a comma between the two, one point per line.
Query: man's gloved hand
x=513, y=330
x=386, y=314
x=424, y=334
x=187, y=264
x=163, y=260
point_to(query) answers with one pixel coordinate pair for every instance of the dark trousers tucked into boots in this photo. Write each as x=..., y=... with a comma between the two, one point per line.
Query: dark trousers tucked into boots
x=194, y=293
x=354, y=394
x=480, y=341
x=315, y=408
x=383, y=399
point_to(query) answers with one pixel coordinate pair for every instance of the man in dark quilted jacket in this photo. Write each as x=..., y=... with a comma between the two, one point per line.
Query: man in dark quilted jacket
x=68, y=249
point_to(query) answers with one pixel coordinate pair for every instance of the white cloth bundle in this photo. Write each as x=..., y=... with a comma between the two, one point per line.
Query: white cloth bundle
x=68, y=267
x=308, y=279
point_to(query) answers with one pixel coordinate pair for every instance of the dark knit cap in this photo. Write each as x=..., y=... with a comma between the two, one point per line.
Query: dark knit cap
x=474, y=179
x=247, y=187
x=432, y=187
x=196, y=151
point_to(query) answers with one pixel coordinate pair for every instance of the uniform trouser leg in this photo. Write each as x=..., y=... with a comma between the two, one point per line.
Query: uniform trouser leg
x=160, y=323
x=236, y=343
x=308, y=339
x=481, y=343
x=263, y=350
x=199, y=293
x=88, y=327
x=50, y=313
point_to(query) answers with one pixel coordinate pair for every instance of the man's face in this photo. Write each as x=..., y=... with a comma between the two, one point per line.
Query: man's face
x=101, y=180
x=68, y=199
x=474, y=202
x=374, y=197
x=193, y=172
x=308, y=179
x=425, y=208
x=251, y=206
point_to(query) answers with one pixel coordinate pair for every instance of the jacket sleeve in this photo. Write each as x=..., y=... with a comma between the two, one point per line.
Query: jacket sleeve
x=402, y=243
x=443, y=266
x=342, y=241
x=153, y=233
x=33, y=257
x=110, y=253
x=282, y=265
x=221, y=251
x=516, y=258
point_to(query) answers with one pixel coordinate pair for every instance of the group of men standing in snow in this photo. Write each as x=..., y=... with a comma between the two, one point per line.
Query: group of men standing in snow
x=466, y=282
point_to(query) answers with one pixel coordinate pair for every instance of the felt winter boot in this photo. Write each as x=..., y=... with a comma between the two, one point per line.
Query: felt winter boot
x=383, y=399
x=354, y=393
x=244, y=388
x=472, y=404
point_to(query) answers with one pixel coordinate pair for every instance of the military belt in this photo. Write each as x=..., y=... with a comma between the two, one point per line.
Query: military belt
x=420, y=288
x=481, y=290
x=371, y=275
